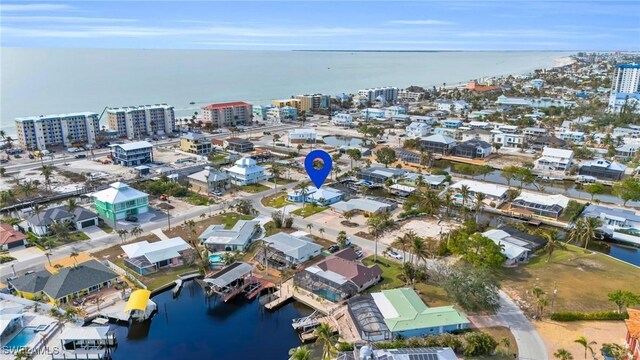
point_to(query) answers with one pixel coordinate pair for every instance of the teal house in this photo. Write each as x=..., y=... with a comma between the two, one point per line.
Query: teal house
x=120, y=200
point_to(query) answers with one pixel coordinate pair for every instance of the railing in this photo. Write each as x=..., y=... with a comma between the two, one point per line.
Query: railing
x=124, y=273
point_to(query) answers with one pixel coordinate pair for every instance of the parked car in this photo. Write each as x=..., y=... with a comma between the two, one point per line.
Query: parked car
x=333, y=248
x=31, y=156
x=217, y=192
x=392, y=253
x=80, y=156
x=131, y=218
x=359, y=253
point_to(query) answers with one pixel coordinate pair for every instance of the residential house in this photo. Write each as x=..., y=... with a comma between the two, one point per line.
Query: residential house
x=452, y=133
x=434, y=181
x=402, y=190
x=339, y=276
x=342, y=119
x=324, y=196
x=260, y=111
x=479, y=125
x=120, y=200
x=367, y=207
x=67, y=284
x=194, y=143
x=548, y=141
x=507, y=129
x=603, y=169
x=554, y=160
x=438, y=144
x=372, y=113
x=406, y=315
x=576, y=137
x=208, y=180
x=508, y=140
x=378, y=175
x=80, y=218
x=478, y=134
x=534, y=132
x=627, y=151
x=304, y=135
x=429, y=120
x=145, y=258
x=285, y=114
x=452, y=106
x=11, y=238
x=392, y=111
x=618, y=224
x=431, y=353
x=417, y=129
x=494, y=194
x=238, y=145
x=633, y=333
x=472, y=149
x=132, y=154
x=543, y=205
x=245, y=172
x=451, y=123
x=216, y=238
x=290, y=250
x=514, y=250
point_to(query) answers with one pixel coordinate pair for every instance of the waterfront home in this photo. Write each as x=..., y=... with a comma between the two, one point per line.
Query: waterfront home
x=245, y=172
x=508, y=140
x=216, y=238
x=11, y=322
x=514, y=250
x=91, y=342
x=539, y=103
x=120, y=200
x=408, y=156
x=478, y=134
x=507, y=129
x=80, y=218
x=371, y=113
x=392, y=111
x=342, y=119
x=479, y=125
x=618, y=224
x=438, y=144
x=323, y=196
x=304, y=135
x=289, y=250
x=451, y=123
x=548, y=141
x=550, y=206
x=11, y=238
x=603, y=169
x=339, y=276
x=494, y=194
x=429, y=120
x=402, y=190
x=633, y=333
x=417, y=129
x=145, y=258
x=452, y=133
x=531, y=242
x=208, y=180
x=406, y=315
x=472, y=149
x=132, y=154
x=367, y=207
x=67, y=284
x=434, y=181
x=627, y=151
x=260, y=111
x=194, y=143
x=576, y=137
x=534, y=132
x=554, y=160
x=432, y=353
x=378, y=175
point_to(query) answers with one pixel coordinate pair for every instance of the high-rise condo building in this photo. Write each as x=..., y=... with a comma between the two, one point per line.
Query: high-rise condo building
x=228, y=114
x=625, y=88
x=37, y=132
x=140, y=121
x=388, y=94
x=313, y=103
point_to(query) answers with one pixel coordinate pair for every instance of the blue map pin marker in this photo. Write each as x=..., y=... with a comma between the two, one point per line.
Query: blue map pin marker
x=318, y=176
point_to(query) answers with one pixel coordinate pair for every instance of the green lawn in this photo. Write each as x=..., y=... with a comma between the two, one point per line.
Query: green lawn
x=160, y=278
x=281, y=181
x=198, y=199
x=583, y=279
x=254, y=188
x=73, y=237
x=230, y=219
x=309, y=210
x=431, y=294
x=275, y=200
x=106, y=228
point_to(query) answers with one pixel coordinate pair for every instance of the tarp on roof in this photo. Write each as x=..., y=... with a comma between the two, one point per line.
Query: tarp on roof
x=138, y=300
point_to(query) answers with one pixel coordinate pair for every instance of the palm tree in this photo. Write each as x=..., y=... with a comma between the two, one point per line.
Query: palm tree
x=24, y=354
x=402, y=243
x=27, y=189
x=62, y=230
x=591, y=225
x=136, y=231
x=122, y=233
x=265, y=247
x=303, y=188
x=419, y=249
x=376, y=224
x=506, y=343
x=465, y=191
x=342, y=239
x=71, y=205
x=479, y=205
x=587, y=345
x=3, y=172
x=325, y=336
x=74, y=255
x=575, y=234
x=276, y=171
x=553, y=241
x=310, y=227
x=541, y=303
x=300, y=353
x=48, y=254
x=321, y=231
x=563, y=354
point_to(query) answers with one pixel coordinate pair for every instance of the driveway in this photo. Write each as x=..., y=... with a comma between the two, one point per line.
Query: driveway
x=26, y=254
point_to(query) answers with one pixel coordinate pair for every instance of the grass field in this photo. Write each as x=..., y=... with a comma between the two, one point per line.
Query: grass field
x=309, y=210
x=431, y=294
x=583, y=279
x=275, y=200
x=254, y=188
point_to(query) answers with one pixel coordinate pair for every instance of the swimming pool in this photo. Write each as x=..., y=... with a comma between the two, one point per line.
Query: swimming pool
x=215, y=259
x=23, y=338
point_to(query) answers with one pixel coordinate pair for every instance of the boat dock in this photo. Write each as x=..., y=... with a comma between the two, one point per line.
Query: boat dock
x=257, y=288
x=230, y=281
x=306, y=326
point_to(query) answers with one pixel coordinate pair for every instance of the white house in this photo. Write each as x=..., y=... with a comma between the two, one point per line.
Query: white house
x=303, y=135
x=291, y=249
x=452, y=106
x=246, y=171
x=392, y=111
x=217, y=238
x=323, y=196
x=554, y=160
x=417, y=129
x=478, y=134
x=342, y=119
x=508, y=140
x=372, y=113
x=514, y=250
x=145, y=257
x=494, y=193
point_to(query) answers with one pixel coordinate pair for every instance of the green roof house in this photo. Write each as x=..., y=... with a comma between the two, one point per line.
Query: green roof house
x=406, y=315
x=120, y=200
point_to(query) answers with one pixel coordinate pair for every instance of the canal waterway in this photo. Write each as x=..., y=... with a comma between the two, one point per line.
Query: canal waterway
x=190, y=327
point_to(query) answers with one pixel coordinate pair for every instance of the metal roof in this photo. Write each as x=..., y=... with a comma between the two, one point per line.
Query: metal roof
x=229, y=274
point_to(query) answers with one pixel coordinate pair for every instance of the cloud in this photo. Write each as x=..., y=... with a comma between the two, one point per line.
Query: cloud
x=420, y=22
x=64, y=19
x=34, y=7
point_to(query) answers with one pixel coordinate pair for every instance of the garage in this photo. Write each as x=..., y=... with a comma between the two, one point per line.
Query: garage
x=88, y=223
x=14, y=244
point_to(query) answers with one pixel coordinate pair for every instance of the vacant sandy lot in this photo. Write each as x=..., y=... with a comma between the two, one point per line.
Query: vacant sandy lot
x=425, y=227
x=558, y=335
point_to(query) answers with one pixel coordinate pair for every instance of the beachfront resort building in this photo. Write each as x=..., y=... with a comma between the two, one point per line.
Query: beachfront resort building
x=245, y=172
x=195, y=143
x=409, y=96
x=68, y=283
x=553, y=159
x=11, y=238
x=294, y=103
x=38, y=132
x=324, y=196
x=208, y=180
x=494, y=194
x=339, y=276
x=216, y=238
x=342, y=119
x=260, y=111
x=603, y=169
x=78, y=219
x=314, y=103
x=382, y=95
x=288, y=250
x=120, y=200
x=539, y=103
x=134, y=122
x=132, y=154
x=230, y=114
x=145, y=258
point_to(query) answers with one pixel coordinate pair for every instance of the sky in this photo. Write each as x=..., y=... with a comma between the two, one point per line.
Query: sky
x=324, y=25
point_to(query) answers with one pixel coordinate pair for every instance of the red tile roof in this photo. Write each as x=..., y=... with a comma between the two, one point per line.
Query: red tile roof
x=9, y=235
x=224, y=105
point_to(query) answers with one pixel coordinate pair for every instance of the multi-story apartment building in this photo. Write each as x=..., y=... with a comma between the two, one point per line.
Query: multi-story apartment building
x=195, y=144
x=132, y=154
x=625, y=87
x=229, y=114
x=37, y=132
x=282, y=114
x=406, y=95
x=388, y=94
x=296, y=103
x=141, y=121
x=315, y=102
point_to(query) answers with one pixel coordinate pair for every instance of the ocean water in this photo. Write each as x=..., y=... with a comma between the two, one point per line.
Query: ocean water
x=49, y=81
